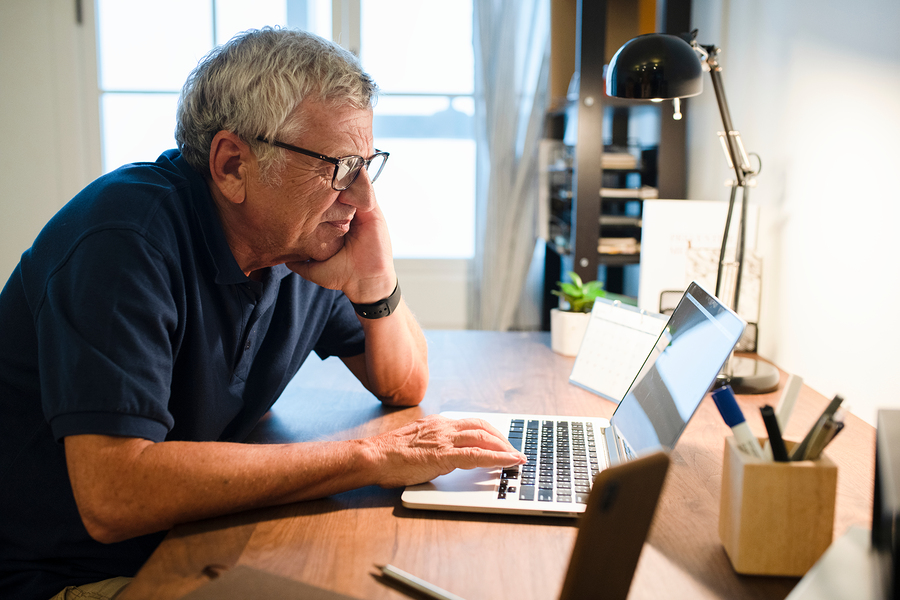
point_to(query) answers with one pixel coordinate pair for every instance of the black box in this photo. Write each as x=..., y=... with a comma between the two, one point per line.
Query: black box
x=886, y=506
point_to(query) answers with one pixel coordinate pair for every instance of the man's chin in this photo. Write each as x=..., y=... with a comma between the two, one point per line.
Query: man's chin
x=325, y=250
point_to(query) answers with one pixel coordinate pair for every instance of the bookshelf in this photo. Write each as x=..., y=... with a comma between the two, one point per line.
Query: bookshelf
x=603, y=155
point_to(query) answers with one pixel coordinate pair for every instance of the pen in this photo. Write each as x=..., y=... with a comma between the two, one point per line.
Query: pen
x=799, y=450
x=815, y=435
x=420, y=585
x=830, y=428
x=734, y=418
x=779, y=452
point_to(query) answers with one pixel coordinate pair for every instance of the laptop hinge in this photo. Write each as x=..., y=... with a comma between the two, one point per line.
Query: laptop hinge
x=609, y=449
x=616, y=450
x=624, y=454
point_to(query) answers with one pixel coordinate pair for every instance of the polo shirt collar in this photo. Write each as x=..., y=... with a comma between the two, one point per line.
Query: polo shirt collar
x=228, y=272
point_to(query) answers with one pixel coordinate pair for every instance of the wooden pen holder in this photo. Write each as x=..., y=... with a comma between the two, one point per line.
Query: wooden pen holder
x=776, y=518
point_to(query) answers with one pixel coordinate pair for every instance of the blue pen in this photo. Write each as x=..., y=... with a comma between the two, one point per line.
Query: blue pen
x=734, y=418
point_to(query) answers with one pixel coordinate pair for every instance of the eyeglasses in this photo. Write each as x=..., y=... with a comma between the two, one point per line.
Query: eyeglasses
x=346, y=168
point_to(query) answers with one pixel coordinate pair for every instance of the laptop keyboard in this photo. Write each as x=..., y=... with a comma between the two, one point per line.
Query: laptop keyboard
x=562, y=461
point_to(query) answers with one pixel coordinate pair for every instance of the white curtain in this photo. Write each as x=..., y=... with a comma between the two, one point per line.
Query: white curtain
x=512, y=39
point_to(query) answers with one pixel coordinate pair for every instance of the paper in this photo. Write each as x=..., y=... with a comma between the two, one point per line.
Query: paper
x=616, y=343
x=680, y=243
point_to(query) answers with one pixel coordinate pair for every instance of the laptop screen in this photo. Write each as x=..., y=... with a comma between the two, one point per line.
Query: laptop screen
x=678, y=373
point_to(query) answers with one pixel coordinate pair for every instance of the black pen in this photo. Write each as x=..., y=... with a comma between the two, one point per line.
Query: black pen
x=779, y=452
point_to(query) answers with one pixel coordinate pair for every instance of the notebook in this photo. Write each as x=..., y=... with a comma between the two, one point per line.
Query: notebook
x=566, y=453
x=616, y=342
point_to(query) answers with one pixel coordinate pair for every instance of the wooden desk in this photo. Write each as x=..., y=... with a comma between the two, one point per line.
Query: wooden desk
x=334, y=542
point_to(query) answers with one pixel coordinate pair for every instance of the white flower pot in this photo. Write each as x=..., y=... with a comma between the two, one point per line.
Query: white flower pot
x=566, y=331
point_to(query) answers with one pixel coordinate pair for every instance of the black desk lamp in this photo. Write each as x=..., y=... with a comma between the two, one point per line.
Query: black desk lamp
x=659, y=66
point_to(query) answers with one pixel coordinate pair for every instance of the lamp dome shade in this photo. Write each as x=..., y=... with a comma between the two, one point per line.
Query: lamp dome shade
x=655, y=65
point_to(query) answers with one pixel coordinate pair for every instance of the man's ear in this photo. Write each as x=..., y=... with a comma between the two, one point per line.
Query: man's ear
x=230, y=165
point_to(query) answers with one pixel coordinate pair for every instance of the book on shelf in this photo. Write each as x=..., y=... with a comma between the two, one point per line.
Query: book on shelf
x=619, y=221
x=610, y=245
x=618, y=160
x=642, y=193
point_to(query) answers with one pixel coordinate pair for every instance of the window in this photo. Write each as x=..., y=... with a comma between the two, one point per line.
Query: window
x=420, y=54
x=424, y=64
x=141, y=75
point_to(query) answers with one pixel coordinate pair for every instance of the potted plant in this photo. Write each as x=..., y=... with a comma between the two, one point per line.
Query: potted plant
x=569, y=322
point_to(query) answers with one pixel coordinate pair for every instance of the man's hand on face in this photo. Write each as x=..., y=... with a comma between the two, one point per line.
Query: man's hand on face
x=364, y=268
x=433, y=446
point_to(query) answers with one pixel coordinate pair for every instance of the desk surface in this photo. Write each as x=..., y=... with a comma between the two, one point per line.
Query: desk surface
x=334, y=542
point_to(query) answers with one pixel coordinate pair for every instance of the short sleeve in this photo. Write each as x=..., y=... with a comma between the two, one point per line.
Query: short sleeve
x=106, y=329
x=343, y=335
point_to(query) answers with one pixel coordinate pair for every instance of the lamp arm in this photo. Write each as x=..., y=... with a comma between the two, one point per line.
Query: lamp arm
x=736, y=155
x=731, y=141
x=741, y=246
x=721, y=265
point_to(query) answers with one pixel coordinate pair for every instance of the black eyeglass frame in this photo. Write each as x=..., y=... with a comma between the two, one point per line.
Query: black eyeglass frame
x=337, y=162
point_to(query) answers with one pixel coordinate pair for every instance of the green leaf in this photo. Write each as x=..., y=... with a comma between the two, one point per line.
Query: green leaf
x=594, y=289
x=570, y=290
x=579, y=295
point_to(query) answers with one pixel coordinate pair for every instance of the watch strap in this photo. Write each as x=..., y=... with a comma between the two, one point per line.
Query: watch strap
x=379, y=309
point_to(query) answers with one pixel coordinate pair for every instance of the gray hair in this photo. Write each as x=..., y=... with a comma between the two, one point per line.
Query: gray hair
x=252, y=85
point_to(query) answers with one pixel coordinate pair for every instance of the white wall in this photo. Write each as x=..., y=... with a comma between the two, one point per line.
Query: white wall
x=814, y=89
x=48, y=117
x=436, y=291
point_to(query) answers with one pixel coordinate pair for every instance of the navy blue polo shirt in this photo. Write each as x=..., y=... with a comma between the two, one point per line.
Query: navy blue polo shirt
x=129, y=316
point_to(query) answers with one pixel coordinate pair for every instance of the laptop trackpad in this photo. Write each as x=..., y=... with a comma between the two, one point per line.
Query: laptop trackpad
x=464, y=480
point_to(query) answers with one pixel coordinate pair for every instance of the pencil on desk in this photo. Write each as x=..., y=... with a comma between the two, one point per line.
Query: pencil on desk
x=420, y=585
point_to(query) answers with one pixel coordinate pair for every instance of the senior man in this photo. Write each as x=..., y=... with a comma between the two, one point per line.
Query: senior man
x=164, y=309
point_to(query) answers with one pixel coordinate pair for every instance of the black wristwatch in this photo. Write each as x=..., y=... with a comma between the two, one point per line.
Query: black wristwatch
x=379, y=309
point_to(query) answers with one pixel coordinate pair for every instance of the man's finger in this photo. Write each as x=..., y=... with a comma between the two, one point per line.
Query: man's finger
x=472, y=458
x=473, y=423
x=479, y=438
x=300, y=268
x=320, y=273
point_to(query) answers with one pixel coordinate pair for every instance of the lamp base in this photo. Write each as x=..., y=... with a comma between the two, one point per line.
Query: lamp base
x=749, y=376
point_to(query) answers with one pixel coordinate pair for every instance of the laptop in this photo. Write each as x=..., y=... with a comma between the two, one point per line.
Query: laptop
x=565, y=454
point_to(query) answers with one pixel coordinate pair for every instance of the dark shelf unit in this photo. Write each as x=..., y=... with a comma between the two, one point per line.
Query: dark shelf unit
x=662, y=167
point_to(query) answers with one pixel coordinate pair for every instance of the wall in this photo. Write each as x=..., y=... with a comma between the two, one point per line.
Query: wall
x=46, y=118
x=814, y=89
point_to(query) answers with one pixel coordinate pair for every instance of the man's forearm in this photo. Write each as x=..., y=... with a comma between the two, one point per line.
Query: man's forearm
x=127, y=487
x=396, y=358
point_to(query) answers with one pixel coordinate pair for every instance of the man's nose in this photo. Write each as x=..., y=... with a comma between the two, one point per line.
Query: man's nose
x=360, y=194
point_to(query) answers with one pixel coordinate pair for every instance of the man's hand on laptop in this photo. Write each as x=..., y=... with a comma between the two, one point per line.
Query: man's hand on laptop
x=433, y=446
